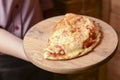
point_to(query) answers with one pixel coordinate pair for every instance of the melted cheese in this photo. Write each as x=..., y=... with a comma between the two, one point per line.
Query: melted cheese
x=70, y=34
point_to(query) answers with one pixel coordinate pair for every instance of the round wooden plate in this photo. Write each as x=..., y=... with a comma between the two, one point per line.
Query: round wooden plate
x=36, y=40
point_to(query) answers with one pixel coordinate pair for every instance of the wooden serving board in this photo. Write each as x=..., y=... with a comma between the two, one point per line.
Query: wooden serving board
x=36, y=40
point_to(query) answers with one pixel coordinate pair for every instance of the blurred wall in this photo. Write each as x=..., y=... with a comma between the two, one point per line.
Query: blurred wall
x=47, y=8
x=84, y=7
x=114, y=64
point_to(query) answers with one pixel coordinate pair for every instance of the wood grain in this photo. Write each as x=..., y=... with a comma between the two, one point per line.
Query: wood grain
x=37, y=37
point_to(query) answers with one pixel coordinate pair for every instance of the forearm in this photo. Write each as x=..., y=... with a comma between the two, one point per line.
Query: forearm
x=11, y=45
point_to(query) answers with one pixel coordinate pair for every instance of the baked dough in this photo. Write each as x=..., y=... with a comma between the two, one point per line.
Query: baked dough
x=73, y=36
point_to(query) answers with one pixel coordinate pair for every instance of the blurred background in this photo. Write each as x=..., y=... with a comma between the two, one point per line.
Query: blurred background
x=106, y=10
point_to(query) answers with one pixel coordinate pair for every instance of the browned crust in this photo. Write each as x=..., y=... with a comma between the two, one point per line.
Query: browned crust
x=95, y=42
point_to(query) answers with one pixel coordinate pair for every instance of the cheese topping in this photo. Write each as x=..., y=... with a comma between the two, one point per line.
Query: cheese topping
x=70, y=37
